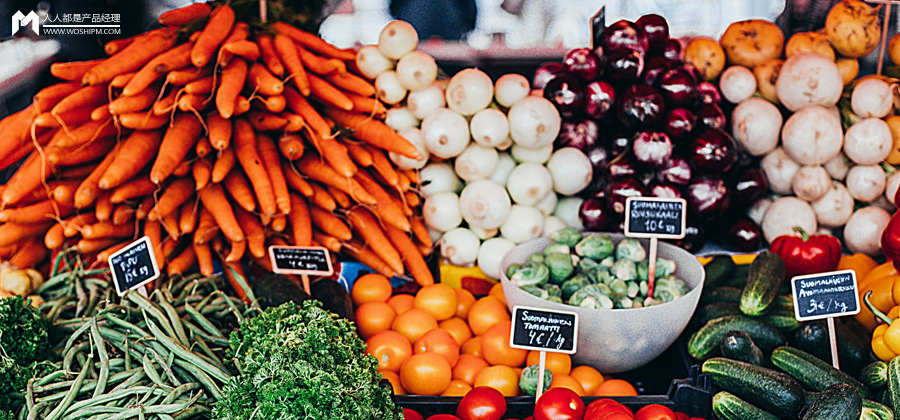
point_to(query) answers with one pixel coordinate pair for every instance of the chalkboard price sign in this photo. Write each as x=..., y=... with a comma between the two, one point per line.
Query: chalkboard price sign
x=133, y=266
x=309, y=260
x=647, y=217
x=824, y=295
x=544, y=330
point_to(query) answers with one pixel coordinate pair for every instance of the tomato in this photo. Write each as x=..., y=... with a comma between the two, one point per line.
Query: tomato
x=681, y=416
x=390, y=349
x=482, y=403
x=425, y=374
x=559, y=404
x=443, y=417
x=371, y=288
x=655, y=412
x=409, y=414
x=601, y=408
x=616, y=415
x=437, y=299
x=440, y=342
x=502, y=378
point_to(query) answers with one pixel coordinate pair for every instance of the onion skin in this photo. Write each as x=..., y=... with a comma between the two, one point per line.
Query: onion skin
x=853, y=28
x=705, y=55
x=751, y=42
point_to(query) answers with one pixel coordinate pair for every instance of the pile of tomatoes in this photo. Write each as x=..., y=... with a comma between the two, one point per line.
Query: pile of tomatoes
x=444, y=341
x=482, y=403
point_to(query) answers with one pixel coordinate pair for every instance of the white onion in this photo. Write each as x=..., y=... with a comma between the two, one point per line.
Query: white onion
x=490, y=253
x=548, y=204
x=371, y=62
x=758, y=209
x=808, y=79
x=422, y=103
x=400, y=119
x=510, y=88
x=524, y=223
x=469, y=91
x=529, y=183
x=811, y=182
x=526, y=154
x=835, y=207
x=484, y=203
x=567, y=210
x=571, y=170
x=437, y=177
x=414, y=136
x=397, y=39
x=838, y=166
x=756, y=124
x=812, y=136
x=416, y=71
x=552, y=224
x=868, y=141
x=441, y=211
x=863, y=231
x=865, y=182
x=446, y=133
x=388, y=88
x=483, y=233
x=785, y=214
x=872, y=97
x=780, y=170
x=533, y=122
x=893, y=184
x=460, y=247
x=737, y=83
x=505, y=165
x=489, y=127
x=476, y=162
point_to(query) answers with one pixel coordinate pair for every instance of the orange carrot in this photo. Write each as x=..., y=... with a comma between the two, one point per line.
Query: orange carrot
x=327, y=94
x=239, y=189
x=137, y=187
x=366, y=225
x=104, y=255
x=134, y=153
x=121, y=80
x=223, y=165
x=300, y=105
x=268, y=152
x=241, y=105
x=248, y=155
x=132, y=57
x=322, y=199
x=213, y=198
x=90, y=246
x=12, y=233
x=261, y=78
x=329, y=223
x=365, y=255
x=253, y=230
x=73, y=70
x=184, y=14
x=64, y=192
x=71, y=118
x=301, y=226
x=287, y=51
x=190, y=102
x=420, y=231
x=247, y=50
x=77, y=155
x=220, y=23
x=165, y=104
x=178, y=140
x=374, y=132
x=104, y=207
x=185, y=76
x=183, y=262
x=187, y=217
x=142, y=121
x=274, y=103
x=54, y=237
x=412, y=258
x=206, y=227
x=342, y=199
x=219, y=131
x=353, y=84
x=83, y=134
x=313, y=42
x=116, y=45
x=173, y=196
x=315, y=169
x=389, y=210
x=168, y=246
x=154, y=231
x=201, y=170
x=295, y=180
x=87, y=96
x=157, y=68
x=359, y=153
x=333, y=244
x=28, y=177
x=366, y=105
x=36, y=212
x=122, y=214
x=232, y=270
x=233, y=77
x=72, y=226
x=106, y=230
x=202, y=148
x=200, y=86
x=204, y=259
x=266, y=121
x=320, y=65
x=384, y=167
x=170, y=224
x=29, y=254
x=144, y=207
x=269, y=56
x=412, y=198
x=89, y=189
x=49, y=96
x=182, y=169
x=291, y=146
x=101, y=113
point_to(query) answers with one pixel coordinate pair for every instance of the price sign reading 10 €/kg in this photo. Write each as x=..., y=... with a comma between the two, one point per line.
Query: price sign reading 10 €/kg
x=663, y=218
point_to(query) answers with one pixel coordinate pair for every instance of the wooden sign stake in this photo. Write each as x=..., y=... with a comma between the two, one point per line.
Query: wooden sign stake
x=832, y=338
x=826, y=295
x=651, y=271
x=305, y=279
x=542, y=360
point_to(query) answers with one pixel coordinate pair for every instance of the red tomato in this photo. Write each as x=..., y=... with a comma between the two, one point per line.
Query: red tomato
x=559, y=404
x=681, y=416
x=655, y=412
x=482, y=403
x=529, y=418
x=409, y=414
x=600, y=408
x=616, y=415
x=443, y=417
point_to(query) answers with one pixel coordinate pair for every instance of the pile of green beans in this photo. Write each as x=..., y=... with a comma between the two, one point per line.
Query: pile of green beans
x=73, y=290
x=142, y=357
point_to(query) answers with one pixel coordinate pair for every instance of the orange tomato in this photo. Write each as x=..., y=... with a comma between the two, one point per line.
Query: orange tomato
x=502, y=378
x=497, y=292
x=486, y=312
x=395, y=382
x=464, y=301
x=467, y=368
x=456, y=388
x=472, y=346
x=401, y=303
x=457, y=328
x=437, y=299
x=615, y=388
x=373, y=317
x=425, y=374
x=371, y=288
x=440, y=342
x=588, y=377
x=390, y=349
x=413, y=324
x=566, y=381
x=556, y=363
x=495, y=347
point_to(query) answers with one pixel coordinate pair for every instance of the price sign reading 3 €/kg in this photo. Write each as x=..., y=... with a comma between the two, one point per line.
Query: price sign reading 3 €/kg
x=133, y=266
x=825, y=295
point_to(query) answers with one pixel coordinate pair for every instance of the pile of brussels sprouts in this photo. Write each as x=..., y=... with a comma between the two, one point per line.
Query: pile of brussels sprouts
x=593, y=272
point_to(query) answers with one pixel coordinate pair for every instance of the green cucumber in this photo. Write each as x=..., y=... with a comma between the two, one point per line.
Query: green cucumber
x=724, y=294
x=781, y=318
x=883, y=411
x=728, y=406
x=767, y=273
x=874, y=375
x=893, y=375
x=814, y=373
x=704, y=343
x=738, y=345
x=779, y=393
x=839, y=401
x=719, y=269
x=812, y=337
x=739, y=278
x=869, y=414
x=784, y=302
x=715, y=310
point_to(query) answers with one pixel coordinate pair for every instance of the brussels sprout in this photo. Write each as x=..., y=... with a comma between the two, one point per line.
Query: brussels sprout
x=636, y=304
x=587, y=264
x=603, y=276
x=674, y=283
x=618, y=289
x=531, y=274
x=607, y=262
x=596, y=247
x=664, y=268
x=555, y=299
x=633, y=289
x=624, y=303
x=631, y=249
x=624, y=269
x=512, y=269
x=651, y=302
x=669, y=288
x=573, y=284
x=556, y=248
x=528, y=381
x=553, y=290
x=536, y=258
x=591, y=296
x=664, y=294
x=536, y=291
x=566, y=236
x=560, y=265
x=644, y=288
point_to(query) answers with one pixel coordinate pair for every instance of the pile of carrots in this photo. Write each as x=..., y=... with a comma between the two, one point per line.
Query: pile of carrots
x=215, y=144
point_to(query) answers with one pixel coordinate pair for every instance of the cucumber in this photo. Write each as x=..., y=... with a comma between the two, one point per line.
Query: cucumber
x=718, y=270
x=785, y=302
x=812, y=337
x=869, y=414
x=814, y=373
x=739, y=278
x=715, y=310
x=779, y=393
x=781, y=318
x=738, y=345
x=836, y=402
x=767, y=273
x=883, y=411
x=728, y=406
x=874, y=375
x=893, y=393
x=704, y=343
x=724, y=294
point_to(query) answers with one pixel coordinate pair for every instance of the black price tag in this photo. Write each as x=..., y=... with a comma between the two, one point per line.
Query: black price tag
x=133, y=266
x=824, y=295
x=598, y=24
x=310, y=260
x=544, y=330
x=663, y=218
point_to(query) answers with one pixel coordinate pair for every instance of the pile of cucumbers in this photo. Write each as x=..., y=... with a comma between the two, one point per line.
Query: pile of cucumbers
x=768, y=366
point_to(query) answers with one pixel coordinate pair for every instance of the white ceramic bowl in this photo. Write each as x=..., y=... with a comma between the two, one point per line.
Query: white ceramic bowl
x=618, y=340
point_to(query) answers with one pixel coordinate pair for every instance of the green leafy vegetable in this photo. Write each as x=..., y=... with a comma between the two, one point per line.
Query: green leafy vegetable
x=24, y=334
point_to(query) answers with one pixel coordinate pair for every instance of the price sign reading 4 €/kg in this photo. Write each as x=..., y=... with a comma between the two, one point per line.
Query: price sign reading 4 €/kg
x=134, y=266
x=309, y=260
x=544, y=330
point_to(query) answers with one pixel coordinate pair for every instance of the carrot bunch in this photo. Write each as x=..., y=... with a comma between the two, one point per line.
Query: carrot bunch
x=215, y=144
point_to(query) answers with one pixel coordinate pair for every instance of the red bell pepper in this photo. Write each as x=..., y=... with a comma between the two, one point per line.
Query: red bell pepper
x=890, y=240
x=807, y=254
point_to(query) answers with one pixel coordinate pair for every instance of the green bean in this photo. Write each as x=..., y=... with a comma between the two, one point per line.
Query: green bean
x=209, y=355
x=54, y=312
x=125, y=324
x=104, y=359
x=50, y=378
x=182, y=374
x=151, y=372
x=205, y=301
x=36, y=411
x=222, y=342
x=70, y=354
x=153, y=409
x=175, y=320
x=92, y=411
x=93, y=299
x=88, y=385
x=127, y=356
x=190, y=412
x=202, y=321
x=82, y=297
x=105, y=399
x=149, y=307
x=165, y=367
x=202, y=377
x=188, y=355
x=99, y=283
x=29, y=394
x=135, y=378
x=180, y=390
x=67, y=401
